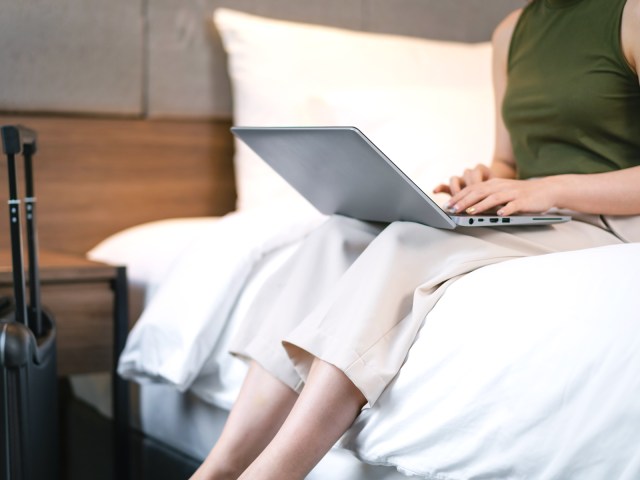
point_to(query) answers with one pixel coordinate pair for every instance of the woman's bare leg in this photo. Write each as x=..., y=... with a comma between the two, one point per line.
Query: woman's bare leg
x=262, y=406
x=326, y=408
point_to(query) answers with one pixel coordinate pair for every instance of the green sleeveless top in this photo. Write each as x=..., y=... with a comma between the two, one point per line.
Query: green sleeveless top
x=572, y=103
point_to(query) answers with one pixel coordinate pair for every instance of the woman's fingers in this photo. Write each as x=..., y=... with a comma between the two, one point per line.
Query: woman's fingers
x=488, y=203
x=512, y=196
x=442, y=188
x=471, y=176
x=477, y=203
x=455, y=185
x=481, y=197
x=478, y=174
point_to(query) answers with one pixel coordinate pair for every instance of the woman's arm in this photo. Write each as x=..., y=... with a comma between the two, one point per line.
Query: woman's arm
x=611, y=193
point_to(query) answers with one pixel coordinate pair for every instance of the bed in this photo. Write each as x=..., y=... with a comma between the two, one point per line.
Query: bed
x=548, y=392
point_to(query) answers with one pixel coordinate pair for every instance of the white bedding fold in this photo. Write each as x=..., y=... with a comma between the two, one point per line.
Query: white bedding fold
x=187, y=314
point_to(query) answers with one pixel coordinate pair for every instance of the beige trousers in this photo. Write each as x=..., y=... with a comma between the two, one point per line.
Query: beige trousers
x=355, y=294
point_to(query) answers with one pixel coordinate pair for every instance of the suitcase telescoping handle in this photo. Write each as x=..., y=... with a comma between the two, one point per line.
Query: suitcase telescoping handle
x=17, y=139
x=34, y=310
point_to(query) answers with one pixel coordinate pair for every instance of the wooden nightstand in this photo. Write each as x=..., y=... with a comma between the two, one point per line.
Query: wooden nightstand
x=90, y=304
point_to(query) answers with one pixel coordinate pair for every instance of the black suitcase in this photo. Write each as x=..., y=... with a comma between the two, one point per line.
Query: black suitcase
x=28, y=381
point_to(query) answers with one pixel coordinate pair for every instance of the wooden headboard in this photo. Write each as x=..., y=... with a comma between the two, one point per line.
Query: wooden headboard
x=133, y=117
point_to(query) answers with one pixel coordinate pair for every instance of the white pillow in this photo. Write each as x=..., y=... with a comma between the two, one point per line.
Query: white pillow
x=276, y=66
x=149, y=250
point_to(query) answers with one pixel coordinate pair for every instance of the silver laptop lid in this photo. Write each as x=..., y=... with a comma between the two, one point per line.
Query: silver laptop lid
x=340, y=171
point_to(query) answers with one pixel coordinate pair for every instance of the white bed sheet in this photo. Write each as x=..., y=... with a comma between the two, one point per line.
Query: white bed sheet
x=548, y=392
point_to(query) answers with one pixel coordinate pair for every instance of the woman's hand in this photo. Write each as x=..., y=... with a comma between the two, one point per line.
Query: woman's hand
x=512, y=196
x=479, y=173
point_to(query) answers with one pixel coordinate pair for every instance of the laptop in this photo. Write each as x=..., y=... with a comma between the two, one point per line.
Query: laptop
x=340, y=171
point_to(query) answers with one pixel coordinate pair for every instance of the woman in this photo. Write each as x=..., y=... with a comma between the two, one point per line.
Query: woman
x=349, y=305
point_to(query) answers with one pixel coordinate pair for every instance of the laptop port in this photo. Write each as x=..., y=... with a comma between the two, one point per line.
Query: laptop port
x=506, y=220
x=471, y=221
x=494, y=220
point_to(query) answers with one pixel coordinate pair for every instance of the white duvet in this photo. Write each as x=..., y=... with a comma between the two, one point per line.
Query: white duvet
x=525, y=369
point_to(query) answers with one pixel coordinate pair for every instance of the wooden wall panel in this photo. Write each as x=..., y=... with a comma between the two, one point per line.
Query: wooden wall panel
x=97, y=176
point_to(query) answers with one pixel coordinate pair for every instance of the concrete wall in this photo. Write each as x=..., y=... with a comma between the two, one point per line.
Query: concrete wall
x=163, y=58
